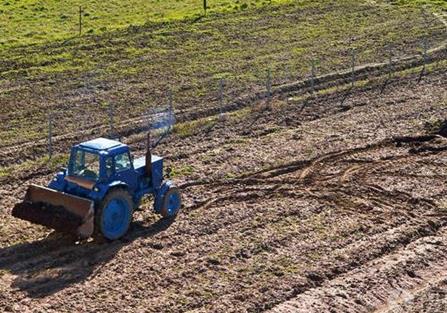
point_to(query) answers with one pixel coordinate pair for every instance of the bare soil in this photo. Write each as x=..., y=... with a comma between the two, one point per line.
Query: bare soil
x=332, y=204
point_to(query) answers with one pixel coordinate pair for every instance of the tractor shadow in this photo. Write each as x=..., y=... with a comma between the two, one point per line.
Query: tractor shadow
x=46, y=266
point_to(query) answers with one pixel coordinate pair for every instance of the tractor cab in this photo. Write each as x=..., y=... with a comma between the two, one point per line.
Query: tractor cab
x=100, y=161
x=97, y=165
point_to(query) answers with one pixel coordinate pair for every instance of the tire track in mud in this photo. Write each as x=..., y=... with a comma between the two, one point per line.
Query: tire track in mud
x=307, y=303
x=308, y=168
x=287, y=287
x=405, y=301
x=402, y=235
x=376, y=283
x=293, y=306
x=389, y=196
x=393, y=201
x=429, y=297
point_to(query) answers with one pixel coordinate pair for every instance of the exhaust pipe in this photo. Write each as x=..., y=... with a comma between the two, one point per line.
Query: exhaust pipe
x=148, y=167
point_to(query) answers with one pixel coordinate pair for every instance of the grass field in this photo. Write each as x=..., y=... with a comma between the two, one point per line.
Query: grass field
x=29, y=21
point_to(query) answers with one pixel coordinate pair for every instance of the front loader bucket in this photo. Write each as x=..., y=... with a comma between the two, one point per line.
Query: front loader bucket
x=57, y=210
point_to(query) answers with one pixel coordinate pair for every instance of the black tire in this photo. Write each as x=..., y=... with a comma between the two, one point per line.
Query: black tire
x=116, y=193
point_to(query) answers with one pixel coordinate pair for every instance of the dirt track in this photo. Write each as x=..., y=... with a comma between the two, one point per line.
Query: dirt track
x=322, y=207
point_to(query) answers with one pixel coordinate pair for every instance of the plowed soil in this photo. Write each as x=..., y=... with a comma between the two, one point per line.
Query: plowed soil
x=316, y=206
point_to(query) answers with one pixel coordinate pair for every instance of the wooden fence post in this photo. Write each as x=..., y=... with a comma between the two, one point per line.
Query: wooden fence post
x=269, y=86
x=111, y=120
x=50, y=135
x=353, y=69
x=312, y=80
x=221, y=98
x=80, y=20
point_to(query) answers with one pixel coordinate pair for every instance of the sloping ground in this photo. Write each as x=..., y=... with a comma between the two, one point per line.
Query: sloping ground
x=324, y=205
x=133, y=69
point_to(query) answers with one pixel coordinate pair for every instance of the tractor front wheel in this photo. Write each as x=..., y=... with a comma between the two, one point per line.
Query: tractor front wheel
x=114, y=214
x=171, y=202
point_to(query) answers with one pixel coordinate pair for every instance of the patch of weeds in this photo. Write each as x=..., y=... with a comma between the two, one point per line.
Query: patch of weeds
x=52, y=164
x=239, y=114
x=436, y=126
x=230, y=175
x=3, y=272
x=188, y=129
x=182, y=171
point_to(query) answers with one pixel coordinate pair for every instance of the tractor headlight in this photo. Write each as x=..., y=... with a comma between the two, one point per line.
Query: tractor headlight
x=96, y=189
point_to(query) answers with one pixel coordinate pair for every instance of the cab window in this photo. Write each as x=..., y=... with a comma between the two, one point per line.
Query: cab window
x=86, y=165
x=122, y=162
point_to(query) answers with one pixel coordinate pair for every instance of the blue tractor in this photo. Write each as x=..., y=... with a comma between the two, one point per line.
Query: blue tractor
x=99, y=191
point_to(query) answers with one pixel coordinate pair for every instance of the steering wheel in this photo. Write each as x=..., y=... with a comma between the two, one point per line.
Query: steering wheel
x=88, y=173
x=120, y=166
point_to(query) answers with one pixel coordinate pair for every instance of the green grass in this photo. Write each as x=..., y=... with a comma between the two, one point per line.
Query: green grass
x=437, y=4
x=30, y=21
x=52, y=165
x=187, y=129
x=182, y=171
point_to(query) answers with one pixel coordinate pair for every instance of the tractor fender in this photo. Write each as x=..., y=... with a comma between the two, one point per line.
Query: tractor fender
x=160, y=193
x=101, y=190
x=118, y=183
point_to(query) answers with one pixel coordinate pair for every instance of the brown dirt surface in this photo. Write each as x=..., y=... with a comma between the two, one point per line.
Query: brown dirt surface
x=331, y=204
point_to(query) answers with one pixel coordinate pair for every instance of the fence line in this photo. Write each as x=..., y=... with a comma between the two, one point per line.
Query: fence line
x=314, y=81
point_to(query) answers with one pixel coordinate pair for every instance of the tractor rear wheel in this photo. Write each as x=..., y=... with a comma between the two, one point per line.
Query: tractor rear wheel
x=114, y=214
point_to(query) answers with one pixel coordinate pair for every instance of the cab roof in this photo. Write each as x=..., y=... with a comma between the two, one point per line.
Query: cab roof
x=102, y=144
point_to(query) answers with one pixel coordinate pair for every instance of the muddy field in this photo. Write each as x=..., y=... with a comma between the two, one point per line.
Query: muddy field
x=331, y=203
